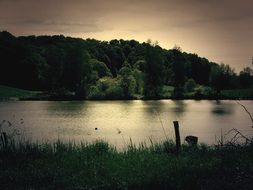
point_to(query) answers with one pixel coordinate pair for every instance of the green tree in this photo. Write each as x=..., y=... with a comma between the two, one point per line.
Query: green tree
x=138, y=76
x=246, y=77
x=106, y=88
x=77, y=72
x=178, y=67
x=101, y=68
x=55, y=58
x=86, y=75
x=153, y=72
x=221, y=77
x=177, y=61
x=190, y=85
x=127, y=81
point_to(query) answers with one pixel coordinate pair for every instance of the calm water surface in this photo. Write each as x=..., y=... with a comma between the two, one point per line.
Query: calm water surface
x=118, y=121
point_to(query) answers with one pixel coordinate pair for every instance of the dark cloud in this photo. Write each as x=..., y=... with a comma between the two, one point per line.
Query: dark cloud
x=54, y=25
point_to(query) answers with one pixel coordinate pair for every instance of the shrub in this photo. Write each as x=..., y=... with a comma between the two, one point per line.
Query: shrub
x=190, y=85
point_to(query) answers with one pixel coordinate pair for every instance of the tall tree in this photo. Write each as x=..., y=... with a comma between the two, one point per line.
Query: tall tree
x=246, y=77
x=178, y=67
x=127, y=81
x=153, y=72
x=221, y=77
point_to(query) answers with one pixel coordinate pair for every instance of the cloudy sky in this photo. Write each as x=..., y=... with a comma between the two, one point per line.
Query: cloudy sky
x=220, y=30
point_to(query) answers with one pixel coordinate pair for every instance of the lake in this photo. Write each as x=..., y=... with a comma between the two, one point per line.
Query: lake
x=118, y=121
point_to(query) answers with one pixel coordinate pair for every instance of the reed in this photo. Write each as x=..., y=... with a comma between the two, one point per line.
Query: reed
x=98, y=165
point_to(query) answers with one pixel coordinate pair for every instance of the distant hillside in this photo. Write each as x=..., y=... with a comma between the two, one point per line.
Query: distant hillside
x=116, y=69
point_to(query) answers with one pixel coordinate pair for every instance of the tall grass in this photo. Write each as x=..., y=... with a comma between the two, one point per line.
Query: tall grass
x=98, y=165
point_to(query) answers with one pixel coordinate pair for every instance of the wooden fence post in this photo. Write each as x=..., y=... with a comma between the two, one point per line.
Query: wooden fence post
x=177, y=134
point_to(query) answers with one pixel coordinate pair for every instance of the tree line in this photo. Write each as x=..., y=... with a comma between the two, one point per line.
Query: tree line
x=118, y=69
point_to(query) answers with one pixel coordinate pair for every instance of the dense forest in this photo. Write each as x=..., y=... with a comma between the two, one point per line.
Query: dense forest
x=118, y=69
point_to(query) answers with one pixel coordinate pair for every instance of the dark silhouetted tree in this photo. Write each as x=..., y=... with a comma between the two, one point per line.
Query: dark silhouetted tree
x=153, y=72
x=246, y=77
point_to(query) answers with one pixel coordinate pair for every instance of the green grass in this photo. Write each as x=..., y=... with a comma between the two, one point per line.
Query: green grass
x=9, y=92
x=100, y=166
x=238, y=93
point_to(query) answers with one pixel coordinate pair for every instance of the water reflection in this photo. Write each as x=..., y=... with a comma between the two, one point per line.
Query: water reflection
x=179, y=107
x=152, y=106
x=65, y=106
x=222, y=108
x=140, y=120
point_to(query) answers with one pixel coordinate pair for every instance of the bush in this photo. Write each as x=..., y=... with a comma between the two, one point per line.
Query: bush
x=106, y=88
x=190, y=85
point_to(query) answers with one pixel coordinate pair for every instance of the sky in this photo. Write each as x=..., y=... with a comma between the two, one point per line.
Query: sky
x=220, y=30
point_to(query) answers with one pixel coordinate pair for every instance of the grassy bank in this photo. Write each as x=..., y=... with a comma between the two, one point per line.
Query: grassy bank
x=10, y=93
x=238, y=93
x=99, y=166
x=7, y=92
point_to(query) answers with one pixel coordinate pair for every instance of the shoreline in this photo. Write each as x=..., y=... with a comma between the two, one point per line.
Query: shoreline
x=152, y=99
x=117, y=99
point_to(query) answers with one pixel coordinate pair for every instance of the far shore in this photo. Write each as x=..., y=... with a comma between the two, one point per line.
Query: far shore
x=15, y=94
x=72, y=98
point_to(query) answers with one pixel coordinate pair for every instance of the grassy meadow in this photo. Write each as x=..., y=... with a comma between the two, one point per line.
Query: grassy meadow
x=7, y=92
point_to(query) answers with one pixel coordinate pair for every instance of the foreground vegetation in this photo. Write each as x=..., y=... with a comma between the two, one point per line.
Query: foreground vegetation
x=100, y=166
